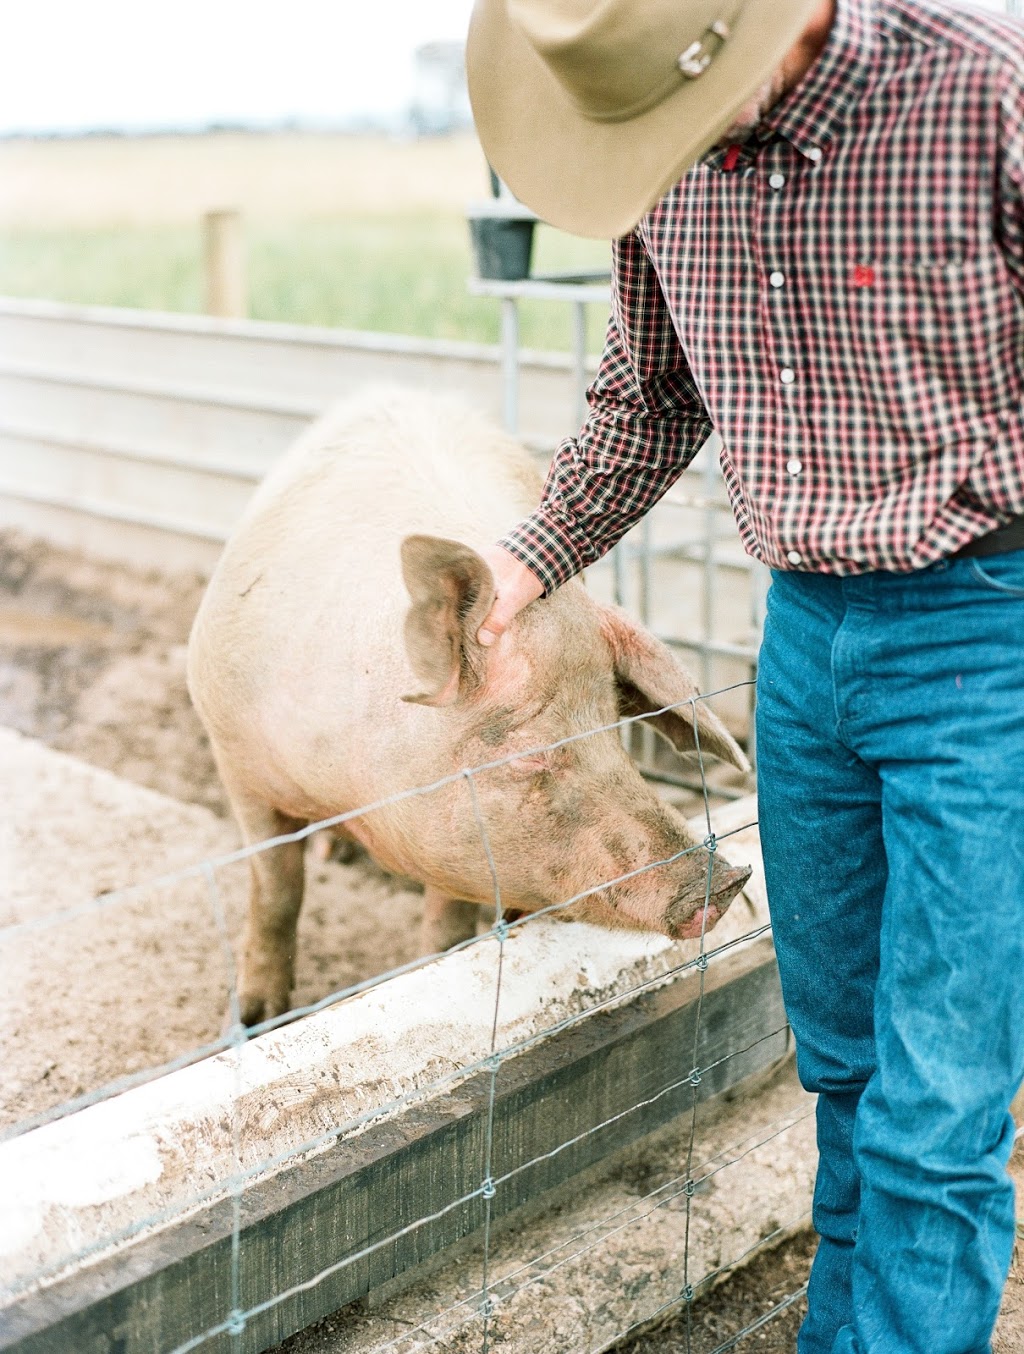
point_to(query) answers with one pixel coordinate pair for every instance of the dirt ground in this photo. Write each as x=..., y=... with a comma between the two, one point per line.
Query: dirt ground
x=767, y=1282
x=92, y=663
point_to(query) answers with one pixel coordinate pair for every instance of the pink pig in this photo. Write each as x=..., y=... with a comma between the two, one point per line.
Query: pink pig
x=323, y=690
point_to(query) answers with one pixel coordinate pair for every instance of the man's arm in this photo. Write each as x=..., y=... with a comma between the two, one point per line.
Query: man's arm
x=645, y=425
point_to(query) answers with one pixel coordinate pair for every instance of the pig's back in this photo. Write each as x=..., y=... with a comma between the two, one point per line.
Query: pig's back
x=393, y=462
x=323, y=531
x=301, y=626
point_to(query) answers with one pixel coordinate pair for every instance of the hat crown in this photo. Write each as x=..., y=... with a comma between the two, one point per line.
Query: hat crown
x=616, y=58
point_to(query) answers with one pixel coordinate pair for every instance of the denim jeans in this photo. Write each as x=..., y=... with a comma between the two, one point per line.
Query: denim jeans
x=890, y=733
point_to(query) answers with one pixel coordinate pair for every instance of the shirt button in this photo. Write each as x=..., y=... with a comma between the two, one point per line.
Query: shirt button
x=776, y=180
x=794, y=556
x=777, y=279
x=815, y=154
x=787, y=376
x=794, y=466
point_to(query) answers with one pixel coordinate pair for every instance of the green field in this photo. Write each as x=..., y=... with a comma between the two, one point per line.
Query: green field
x=339, y=231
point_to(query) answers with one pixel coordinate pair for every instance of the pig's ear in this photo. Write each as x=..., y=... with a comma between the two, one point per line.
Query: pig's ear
x=452, y=590
x=649, y=677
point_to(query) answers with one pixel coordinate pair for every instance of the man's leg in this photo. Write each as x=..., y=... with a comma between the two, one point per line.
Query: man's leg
x=932, y=675
x=821, y=835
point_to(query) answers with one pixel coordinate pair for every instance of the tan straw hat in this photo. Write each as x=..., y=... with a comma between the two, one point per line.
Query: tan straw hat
x=591, y=109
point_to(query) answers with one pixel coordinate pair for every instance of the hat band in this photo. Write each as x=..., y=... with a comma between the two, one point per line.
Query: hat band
x=690, y=64
x=699, y=55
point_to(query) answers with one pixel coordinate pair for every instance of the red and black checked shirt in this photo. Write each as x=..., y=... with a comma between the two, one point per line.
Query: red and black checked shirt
x=842, y=298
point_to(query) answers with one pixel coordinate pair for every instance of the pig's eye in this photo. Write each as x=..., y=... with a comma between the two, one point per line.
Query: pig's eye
x=532, y=765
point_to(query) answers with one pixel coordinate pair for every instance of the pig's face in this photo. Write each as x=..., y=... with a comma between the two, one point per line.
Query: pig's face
x=568, y=819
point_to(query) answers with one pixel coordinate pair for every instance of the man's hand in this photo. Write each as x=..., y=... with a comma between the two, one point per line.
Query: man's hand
x=515, y=587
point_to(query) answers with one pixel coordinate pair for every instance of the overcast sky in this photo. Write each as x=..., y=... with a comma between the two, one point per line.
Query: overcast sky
x=71, y=65
x=74, y=64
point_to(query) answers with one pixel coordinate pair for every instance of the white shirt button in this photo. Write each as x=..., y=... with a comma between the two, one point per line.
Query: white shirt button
x=787, y=376
x=794, y=466
x=777, y=279
x=794, y=556
x=815, y=154
x=776, y=180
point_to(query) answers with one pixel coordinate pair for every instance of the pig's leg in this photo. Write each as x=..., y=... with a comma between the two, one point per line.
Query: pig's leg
x=446, y=921
x=266, y=965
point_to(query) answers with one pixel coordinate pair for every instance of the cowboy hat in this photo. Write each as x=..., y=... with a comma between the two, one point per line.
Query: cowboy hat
x=591, y=109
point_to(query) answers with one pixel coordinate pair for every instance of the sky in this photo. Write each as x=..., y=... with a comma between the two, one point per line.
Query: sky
x=72, y=65
x=67, y=66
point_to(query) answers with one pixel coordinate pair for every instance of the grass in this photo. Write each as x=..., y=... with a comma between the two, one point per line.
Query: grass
x=154, y=268
x=382, y=245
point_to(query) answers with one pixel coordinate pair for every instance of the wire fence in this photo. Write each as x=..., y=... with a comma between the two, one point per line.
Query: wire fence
x=497, y=1289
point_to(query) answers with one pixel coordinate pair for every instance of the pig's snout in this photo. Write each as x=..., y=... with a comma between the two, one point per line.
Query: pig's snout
x=684, y=916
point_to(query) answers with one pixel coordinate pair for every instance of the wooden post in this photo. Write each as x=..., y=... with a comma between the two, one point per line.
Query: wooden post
x=224, y=263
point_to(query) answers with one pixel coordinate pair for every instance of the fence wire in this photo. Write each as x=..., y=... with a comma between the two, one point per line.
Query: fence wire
x=494, y=1292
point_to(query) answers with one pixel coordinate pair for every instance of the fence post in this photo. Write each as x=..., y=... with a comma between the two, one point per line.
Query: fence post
x=224, y=263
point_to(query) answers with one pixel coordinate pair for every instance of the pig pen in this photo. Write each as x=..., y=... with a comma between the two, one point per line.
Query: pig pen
x=91, y=664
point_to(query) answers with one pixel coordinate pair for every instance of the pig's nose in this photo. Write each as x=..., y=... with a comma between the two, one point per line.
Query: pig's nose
x=683, y=917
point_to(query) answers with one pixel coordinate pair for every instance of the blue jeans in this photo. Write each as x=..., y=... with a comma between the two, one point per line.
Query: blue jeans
x=890, y=733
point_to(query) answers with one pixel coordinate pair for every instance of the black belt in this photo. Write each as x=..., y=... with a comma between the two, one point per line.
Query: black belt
x=998, y=542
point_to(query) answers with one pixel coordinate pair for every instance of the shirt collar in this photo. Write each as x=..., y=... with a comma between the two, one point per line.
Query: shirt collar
x=811, y=114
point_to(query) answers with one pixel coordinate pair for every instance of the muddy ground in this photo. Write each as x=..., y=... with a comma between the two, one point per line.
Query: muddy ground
x=92, y=663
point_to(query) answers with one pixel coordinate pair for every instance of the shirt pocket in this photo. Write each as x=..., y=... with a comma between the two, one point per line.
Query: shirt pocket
x=934, y=345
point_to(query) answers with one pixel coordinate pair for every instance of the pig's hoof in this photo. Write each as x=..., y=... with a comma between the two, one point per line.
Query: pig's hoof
x=254, y=1008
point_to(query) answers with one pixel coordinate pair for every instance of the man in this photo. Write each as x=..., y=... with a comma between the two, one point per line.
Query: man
x=827, y=266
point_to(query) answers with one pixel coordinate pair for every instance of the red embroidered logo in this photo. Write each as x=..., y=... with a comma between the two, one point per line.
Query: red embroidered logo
x=863, y=275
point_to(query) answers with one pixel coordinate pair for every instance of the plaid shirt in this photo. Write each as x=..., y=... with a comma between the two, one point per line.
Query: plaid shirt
x=841, y=297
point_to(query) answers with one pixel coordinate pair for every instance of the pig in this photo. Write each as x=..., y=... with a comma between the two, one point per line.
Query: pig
x=325, y=684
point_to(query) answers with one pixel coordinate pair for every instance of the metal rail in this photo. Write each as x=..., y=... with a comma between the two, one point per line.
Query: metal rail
x=163, y=423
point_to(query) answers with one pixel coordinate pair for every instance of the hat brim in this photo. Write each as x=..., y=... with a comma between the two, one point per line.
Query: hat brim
x=599, y=178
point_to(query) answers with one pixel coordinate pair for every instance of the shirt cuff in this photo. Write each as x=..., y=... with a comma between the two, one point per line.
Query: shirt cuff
x=542, y=543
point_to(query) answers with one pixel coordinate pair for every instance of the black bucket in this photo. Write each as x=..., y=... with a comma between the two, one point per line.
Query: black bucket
x=502, y=247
